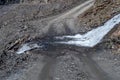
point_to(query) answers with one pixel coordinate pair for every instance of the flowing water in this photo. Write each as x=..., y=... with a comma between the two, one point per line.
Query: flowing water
x=90, y=39
x=93, y=37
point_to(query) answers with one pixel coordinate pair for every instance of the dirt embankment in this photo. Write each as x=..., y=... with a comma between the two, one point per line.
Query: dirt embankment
x=100, y=13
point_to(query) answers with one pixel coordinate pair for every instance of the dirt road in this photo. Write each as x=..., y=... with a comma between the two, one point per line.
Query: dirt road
x=54, y=62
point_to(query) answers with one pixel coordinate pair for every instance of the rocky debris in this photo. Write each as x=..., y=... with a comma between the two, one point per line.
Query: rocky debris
x=3, y=2
x=10, y=63
x=114, y=41
x=100, y=13
x=116, y=33
x=33, y=1
x=69, y=67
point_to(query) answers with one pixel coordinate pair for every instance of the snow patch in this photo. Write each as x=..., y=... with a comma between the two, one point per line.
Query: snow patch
x=27, y=47
x=90, y=39
x=93, y=37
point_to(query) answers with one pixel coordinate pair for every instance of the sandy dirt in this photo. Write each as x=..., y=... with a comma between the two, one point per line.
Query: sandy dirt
x=39, y=20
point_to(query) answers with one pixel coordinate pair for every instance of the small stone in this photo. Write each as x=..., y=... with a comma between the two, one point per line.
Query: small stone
x=25, y=27
x=115, y=59
x=5, y=23
x=57, y=78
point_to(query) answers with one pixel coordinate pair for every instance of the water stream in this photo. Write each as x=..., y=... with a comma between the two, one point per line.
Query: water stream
x=89, y=39
x=93, y=37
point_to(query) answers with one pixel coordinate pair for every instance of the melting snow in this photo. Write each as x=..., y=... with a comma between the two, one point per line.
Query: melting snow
x=93, y=37
x=27, y=47
x=90, y=39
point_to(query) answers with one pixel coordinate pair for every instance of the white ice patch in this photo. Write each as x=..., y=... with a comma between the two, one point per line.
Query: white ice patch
x=90, y=39
x=93, y=37
x=27, y=47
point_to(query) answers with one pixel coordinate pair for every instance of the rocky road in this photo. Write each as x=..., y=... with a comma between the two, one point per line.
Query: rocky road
x=54, y=62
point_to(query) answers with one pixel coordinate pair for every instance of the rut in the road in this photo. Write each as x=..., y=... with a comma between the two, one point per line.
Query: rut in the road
x=92, y=66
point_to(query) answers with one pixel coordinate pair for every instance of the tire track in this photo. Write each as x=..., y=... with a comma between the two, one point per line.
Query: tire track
x=91, y=66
